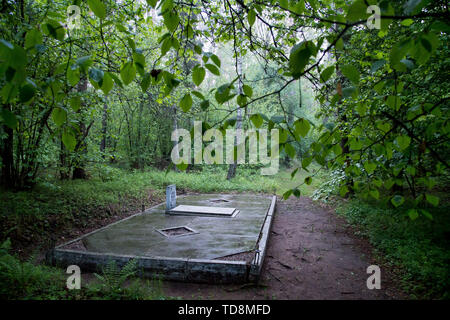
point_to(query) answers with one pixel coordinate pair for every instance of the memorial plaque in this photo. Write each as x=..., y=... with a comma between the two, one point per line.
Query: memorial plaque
x=171, y=197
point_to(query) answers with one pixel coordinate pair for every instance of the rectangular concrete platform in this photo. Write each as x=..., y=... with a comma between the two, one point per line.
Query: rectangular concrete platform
x=193, y=248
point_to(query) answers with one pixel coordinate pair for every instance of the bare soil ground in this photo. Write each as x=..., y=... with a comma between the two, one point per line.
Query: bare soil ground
x=311, y=254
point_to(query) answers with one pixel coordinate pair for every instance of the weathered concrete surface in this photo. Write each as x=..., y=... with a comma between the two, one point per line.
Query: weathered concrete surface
x=187, y=257
x=216, y=237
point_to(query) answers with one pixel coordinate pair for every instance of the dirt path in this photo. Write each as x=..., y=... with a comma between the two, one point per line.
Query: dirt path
x=311, y=255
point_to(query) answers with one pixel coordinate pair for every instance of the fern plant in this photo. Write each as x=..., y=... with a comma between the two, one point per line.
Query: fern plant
x=113, y=277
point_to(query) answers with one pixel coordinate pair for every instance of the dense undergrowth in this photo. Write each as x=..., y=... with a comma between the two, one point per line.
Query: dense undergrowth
x=418, y=247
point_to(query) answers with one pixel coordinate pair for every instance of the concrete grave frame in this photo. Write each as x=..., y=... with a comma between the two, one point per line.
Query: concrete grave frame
x=169, y=268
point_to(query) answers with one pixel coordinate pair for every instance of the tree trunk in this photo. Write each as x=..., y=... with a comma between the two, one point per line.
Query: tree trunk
x=232, y=168
x=79, y=171
x=104, y=128
x=7, y=158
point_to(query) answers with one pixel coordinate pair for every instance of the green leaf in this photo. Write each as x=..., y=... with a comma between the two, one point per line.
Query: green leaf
x=9, y=118
x=290, y=150
x=165, y=46
x=128, y=73
x=337, y=149
x=251, y=17
x=27, y=92
x=198, y=94
x=247, y=90
x=287, y=194
x=96, y=75
x=326, y=74
x=166, y=5
x=284, y=4
x=283, y=135
x=306, y=162
x=257, y=120
x=171, y=20
x=351, y=72
x=432, y=199
x=59, y=116
x=182, y=166
x=139, y=62
x=152, y=3
x=299, y=57
x=384, y=126
x=308, y=180
x=54, y=29
x=223, y=93
x=357, y=11
x=75, y=103
x=413, y=214
x=145, y=82
x=349, y=92
x=374, y=194
x=370, y=167
x=204, y=105
x=73, y=76
x=440, y=26
x=389, y=183
x=213, y=69
x=198, y=75
x=403, y=142
x=397, y=53
x=302, y=126
x=107, y=83
x=98, y=8
x=83, y=62
x=343, y=190
x=186, y=102
x=32, y=38
x=69, y=140
x=293, y=173
x=426, y=214
x=394, y=102
x=241, y=100
x=116, y=79
x=198, y=49
x=397, y=200
x=407, y=22
x=215, y=59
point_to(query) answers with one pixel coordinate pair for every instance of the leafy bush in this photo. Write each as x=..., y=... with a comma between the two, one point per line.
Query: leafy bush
x=24, y=280
x=330, y=186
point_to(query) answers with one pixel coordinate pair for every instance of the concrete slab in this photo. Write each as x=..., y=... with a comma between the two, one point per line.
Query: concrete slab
x=195, y=256
x=203, y=211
